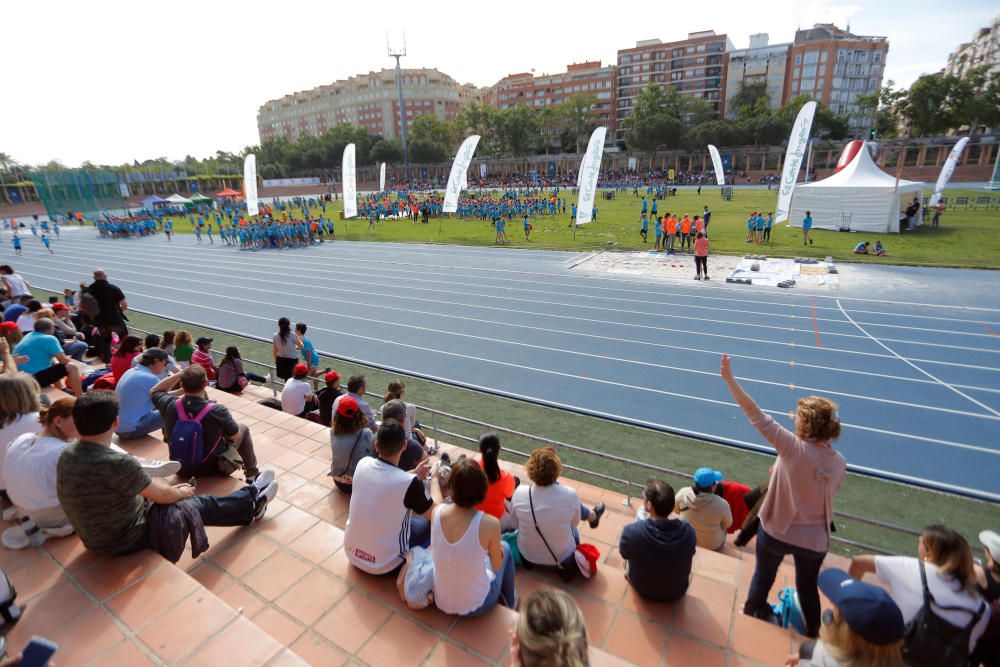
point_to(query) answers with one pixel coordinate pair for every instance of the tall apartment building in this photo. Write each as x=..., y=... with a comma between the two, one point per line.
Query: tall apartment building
x=760, y=63
x=836, y=67
x=548, y=89
x=694, y=66
x=984, y=49
x=368, y=100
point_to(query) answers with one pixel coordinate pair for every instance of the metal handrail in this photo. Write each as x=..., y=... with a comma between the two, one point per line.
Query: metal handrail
x=630, y=464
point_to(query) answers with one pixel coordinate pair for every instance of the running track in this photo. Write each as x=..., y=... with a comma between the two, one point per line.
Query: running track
x=912, y=356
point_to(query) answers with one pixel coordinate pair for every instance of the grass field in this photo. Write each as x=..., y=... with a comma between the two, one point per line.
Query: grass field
x=863, y=496
x=966, y=238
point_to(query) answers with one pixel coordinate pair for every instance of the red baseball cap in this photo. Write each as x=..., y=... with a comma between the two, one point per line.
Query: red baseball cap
x=60, y=306
x=331, y=376
x=300, y=369
x=8, y=327
x=347, y=407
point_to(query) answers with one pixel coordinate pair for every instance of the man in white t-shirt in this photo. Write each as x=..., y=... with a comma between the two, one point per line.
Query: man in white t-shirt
x=390, y=511
x=297, y=397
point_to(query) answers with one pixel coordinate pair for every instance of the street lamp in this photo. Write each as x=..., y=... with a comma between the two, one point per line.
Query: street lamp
x=397, y=53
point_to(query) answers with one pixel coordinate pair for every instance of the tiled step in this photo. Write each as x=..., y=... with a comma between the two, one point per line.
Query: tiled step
x=287, y=580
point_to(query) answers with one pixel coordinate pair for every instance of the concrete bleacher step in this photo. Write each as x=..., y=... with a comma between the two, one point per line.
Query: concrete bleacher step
x=284, y=590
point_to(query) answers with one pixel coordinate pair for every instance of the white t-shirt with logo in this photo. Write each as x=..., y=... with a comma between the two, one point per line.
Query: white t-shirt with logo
x=30, y=469
x=902, y=574
x=293, y=396
x=383, y=499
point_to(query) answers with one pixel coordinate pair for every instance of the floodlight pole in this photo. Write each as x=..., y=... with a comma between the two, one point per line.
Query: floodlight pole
x=397, y=54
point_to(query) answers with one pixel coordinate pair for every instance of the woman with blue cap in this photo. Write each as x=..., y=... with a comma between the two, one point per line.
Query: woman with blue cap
x=864, y=628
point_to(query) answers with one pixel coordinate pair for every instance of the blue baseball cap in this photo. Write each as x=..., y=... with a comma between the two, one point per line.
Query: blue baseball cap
x=706, y=477
x=868, y=610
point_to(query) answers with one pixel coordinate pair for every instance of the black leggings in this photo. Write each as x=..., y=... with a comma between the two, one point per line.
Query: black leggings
x=701, y=265
x=285, y=367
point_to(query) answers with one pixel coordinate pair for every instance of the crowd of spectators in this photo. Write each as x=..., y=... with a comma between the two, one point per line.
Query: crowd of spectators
x=453, y=533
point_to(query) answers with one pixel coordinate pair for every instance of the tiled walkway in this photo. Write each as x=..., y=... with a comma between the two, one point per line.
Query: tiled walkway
x=282, y=593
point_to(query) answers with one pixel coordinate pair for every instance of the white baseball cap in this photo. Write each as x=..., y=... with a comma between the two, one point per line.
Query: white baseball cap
x=991, y=541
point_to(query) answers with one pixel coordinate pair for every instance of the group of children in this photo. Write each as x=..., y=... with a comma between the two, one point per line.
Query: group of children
x=669, y=229
x=862, y=248
x=39, y=230
x=759, y=227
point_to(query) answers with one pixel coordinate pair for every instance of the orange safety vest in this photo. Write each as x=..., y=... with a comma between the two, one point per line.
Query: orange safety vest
x=671, y=225
x=685, y=225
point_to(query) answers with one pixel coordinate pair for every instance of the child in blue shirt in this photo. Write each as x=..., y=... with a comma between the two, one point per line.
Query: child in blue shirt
x=309, y=354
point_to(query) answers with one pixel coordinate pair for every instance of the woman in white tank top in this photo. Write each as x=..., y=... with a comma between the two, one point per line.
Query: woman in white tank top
x=473, y=568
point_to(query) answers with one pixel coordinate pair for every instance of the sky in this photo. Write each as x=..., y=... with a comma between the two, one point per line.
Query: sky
x=112, y=82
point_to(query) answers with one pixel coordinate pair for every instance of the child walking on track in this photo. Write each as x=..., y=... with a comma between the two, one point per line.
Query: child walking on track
x=701, y=256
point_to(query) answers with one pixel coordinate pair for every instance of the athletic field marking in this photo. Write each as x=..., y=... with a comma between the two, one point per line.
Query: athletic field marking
x=408, y=271
x=368, y=319
x=363, y=247
x=992, y=332
x=815, y=323
x=172, y=266
x=741, y=339
x=918, y=368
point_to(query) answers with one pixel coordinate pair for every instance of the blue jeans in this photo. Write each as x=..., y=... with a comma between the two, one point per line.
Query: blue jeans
x=146, y=425
x=770, y=552
x=75, y=350
x=502, y=587
x=420, y=532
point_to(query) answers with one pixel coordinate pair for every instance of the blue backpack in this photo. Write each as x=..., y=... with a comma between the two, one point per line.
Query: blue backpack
x=187, y=440
x=788, y=610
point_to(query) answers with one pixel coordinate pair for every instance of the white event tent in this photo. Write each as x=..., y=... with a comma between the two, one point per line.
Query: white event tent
x=178, y=199
x=860, y=197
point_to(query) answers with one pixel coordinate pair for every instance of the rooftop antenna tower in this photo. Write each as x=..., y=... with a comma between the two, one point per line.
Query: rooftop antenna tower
x=397, y=52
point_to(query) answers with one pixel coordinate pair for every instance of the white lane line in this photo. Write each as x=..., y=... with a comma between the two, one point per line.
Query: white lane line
x=740, y=338
x=671, y=316
x=604, y=280
x=915, y=367
x=663, y=392
x=451, y=291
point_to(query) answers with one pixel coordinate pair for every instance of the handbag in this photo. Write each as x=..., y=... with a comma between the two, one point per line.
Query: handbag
x=932, y=641
x=568, y=568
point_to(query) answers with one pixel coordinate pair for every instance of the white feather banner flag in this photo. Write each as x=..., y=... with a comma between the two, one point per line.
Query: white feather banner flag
x=381, y=178
x=947, y=169
x=720, y=175
x=458, y=175
x=798, y=142
x=349, y=178
x=589, y=171
x=250, y=184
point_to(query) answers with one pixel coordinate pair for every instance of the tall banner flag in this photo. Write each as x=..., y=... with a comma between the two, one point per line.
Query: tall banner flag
x=250, y=184
x=590, y=169
x=349, y=179
x=995, y=179
x=798, y=142
x=720, y=175
x=458, y=175
x=381, y=178
x=947, y=170
x=482, y=170
x=579, y=173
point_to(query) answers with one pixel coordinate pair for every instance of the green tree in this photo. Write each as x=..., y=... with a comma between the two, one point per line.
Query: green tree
x=933, y=103
x=652, y=124
x=422, y=150
x=517, y=129
x=578, y=118
x=483, y=120
x=751, y=101
x=386, y=151
x=883, y=107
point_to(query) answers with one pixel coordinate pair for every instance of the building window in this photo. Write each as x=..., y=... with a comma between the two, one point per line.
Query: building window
x=798, y=59
x=812, y=57
x=822, y=56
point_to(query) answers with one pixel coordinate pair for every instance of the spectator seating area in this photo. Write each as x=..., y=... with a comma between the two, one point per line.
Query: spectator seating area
x=281, y=592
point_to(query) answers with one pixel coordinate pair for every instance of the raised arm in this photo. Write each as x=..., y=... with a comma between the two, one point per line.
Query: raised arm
x=783, y=440
x=742, y=397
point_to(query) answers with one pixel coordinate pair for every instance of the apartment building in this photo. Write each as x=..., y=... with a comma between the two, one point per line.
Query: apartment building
x=760, y=63
x=694, y=66
x=368, y=100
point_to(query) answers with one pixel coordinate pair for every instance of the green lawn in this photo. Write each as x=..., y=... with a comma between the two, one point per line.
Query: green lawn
x=860, y=495
x=966, y=238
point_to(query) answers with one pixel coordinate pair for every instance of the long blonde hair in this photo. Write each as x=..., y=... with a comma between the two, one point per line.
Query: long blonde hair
x=18, y=396
x=551, y=632
x=851, y=650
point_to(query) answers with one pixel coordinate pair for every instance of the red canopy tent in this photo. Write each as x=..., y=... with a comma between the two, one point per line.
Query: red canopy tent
x=228, y=192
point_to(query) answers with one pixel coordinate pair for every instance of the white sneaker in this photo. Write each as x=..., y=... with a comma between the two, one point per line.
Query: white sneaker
x=267, y=379
x=262, y=480
x=155, y=468
x=269, y=493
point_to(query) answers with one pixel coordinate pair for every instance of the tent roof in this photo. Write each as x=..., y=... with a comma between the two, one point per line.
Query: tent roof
x=228, y=192
x=178, y=199
x=153, y=199
x=200, y=197
x=862, y=172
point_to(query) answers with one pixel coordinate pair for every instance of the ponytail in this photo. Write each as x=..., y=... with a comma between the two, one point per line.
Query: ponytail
x=394, y=391
x=284, y=329
x=489, y=448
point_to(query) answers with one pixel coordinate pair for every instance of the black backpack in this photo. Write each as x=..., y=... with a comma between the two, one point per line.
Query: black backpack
x=931, y=641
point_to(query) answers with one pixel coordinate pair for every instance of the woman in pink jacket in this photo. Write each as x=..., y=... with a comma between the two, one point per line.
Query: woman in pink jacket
x=798, y=509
